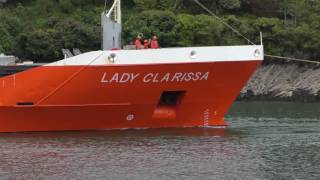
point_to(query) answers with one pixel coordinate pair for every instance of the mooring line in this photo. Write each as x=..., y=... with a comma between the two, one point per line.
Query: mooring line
x=292, y=59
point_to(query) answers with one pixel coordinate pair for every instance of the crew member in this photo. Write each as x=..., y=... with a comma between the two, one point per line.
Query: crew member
x=146, y=44
x=138, y=41
x=154, y=42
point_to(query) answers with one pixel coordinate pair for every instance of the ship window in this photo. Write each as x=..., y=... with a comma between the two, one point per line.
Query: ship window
x=24, y=103
x=171, y=98
x=10, y=70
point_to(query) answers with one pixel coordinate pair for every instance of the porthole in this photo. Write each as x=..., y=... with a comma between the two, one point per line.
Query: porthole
x=257, y=53
x=112, y=58
x=193, y=54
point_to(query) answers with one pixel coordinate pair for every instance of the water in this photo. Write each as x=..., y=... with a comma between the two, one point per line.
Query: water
x=263, y=141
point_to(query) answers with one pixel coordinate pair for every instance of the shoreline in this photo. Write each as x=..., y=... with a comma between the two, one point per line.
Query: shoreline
x=283, y=82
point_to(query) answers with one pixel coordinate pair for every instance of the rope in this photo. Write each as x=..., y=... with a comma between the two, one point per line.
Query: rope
x=105, y=5
x=292, y=59
x=244, y=37
x=67, y=80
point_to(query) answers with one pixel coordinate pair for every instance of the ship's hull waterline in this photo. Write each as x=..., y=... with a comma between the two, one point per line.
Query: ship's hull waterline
x=101, y=97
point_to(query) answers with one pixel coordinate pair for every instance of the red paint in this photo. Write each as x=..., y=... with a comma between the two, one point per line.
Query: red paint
x=74, y=98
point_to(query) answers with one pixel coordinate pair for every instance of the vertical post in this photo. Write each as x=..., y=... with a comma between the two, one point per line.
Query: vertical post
x=119, y=12
x=115, y=11
x=261, y=39
x=111, y=27
x=118, y=20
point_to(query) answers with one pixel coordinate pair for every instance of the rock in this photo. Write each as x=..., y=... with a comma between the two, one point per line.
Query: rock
x=289, y=82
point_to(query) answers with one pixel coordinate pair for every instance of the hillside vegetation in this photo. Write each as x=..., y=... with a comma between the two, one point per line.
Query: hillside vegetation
x=39, y=29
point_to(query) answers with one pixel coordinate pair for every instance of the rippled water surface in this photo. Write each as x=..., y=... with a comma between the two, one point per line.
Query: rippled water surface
x=263, y=141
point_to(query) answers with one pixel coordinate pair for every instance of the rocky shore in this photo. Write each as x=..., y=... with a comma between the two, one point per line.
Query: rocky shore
x=284, y=82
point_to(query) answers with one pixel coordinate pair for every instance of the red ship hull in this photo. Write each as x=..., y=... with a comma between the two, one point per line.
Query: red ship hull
x=59, y=98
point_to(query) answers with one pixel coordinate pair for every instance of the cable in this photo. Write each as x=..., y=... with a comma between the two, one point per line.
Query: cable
x=71, y=77
x=105, y=5
x=223, y=22
x=241, y=35
x=292, y=59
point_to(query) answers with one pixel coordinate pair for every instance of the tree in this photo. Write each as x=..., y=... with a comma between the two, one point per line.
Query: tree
x=38, y=29
x=230, y=4
x=38, y=45
x=198, y=30
x=150, y=23
x=46, y=44
x=143, y=5
x=6, y=40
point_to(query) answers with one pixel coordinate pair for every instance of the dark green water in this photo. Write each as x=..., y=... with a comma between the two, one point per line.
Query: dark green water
x=264, y=141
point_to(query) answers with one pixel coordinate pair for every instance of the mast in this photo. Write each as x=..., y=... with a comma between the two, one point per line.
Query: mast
x=118, y=12
x=111, y=27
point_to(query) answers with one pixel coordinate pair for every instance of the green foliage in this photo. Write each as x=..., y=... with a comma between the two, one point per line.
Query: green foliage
x=230, y=4
x=66, y=6
x=46, y=44
x=6, y=40
x=160, y=23
x=154, y=4
x=38, y=44
x=197, y=30
x=38, y=29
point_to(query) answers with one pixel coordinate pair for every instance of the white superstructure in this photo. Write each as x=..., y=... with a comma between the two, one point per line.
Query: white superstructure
x=7, y=60
x=166, y=56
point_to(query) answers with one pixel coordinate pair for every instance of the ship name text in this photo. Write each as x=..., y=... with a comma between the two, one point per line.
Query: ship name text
x=154, y=77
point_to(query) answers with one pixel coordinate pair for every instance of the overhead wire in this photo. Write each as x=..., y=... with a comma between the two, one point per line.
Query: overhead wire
x=243, y=36
x=223, y=22
x=105, y=6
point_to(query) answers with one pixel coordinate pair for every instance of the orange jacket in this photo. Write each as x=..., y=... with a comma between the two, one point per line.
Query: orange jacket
x=138, y=43
x=146, y=44
x=154, y=44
